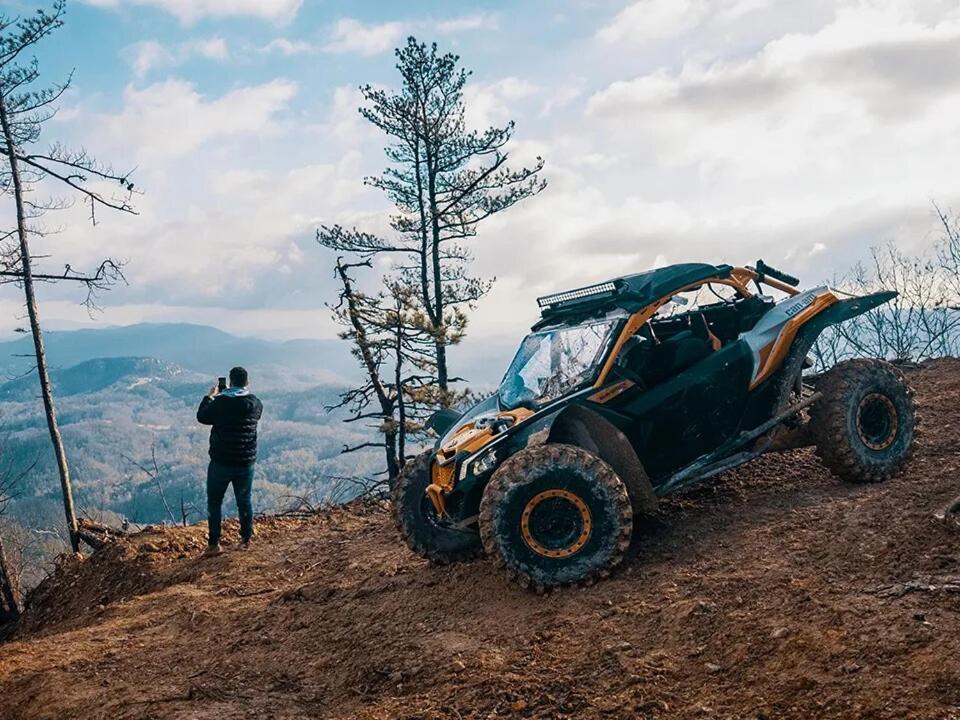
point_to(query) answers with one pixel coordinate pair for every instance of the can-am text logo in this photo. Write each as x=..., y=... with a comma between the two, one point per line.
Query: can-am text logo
x=799, y=305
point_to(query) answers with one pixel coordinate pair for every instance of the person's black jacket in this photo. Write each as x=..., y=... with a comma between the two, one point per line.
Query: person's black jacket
x=233, y=438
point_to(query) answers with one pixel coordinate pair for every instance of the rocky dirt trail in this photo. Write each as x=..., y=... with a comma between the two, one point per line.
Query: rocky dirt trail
x=775, y=592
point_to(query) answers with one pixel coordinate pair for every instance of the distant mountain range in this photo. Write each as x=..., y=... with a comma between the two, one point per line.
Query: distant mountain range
x=128, y=394
x=198, y=348
x=99, y=374
x=211, y=353
x=117, y=411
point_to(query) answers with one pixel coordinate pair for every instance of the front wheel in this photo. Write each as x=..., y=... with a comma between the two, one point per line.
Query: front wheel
x=417, y=520
x=555, y=515
x=865, y=422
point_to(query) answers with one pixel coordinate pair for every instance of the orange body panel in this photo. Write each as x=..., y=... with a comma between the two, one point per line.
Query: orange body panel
x=470, y=439
x=607, y=394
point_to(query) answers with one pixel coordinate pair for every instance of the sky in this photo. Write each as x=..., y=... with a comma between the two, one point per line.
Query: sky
x=672, y=130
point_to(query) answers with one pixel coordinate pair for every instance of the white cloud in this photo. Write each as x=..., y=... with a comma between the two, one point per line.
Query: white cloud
x=287, y=47
x=344, y=124
x=490, y=104
x=147, y=55
x=168, y=120
x=479, y=21
x=210, y=48
x=352, y=36
x=150, y=55
x=805, y=103
x=220, y=229
x=190, y=11
x=654, y=20
x=562, y=97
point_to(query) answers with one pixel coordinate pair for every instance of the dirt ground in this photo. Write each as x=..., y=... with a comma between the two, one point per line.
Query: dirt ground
x=776, y=592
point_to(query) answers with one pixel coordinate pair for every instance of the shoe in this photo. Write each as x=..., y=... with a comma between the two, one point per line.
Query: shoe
x=245, y=544
x=213, y=551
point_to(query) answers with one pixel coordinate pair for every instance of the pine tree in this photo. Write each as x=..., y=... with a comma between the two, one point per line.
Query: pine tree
x=444, y=179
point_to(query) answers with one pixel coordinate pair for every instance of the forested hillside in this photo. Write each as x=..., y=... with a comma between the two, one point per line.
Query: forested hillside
x=196, y=347
x=118, y=414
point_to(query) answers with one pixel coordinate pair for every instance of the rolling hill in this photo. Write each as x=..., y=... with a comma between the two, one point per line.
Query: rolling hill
x=99, y=374
x=199, y=348
x=116, y=412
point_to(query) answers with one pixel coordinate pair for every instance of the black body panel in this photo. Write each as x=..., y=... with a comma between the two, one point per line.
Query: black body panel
x=689, y=414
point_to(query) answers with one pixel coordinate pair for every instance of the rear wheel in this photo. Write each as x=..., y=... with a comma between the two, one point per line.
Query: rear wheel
x=555, y=515
x=417, y=520
x=865, y=422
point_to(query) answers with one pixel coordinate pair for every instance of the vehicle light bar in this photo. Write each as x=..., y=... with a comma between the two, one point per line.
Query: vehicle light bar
x=591, y=292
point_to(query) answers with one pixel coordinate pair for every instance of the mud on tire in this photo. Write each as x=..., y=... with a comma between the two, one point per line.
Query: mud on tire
x=555, y=515
x=865, y=423
x=418, y=523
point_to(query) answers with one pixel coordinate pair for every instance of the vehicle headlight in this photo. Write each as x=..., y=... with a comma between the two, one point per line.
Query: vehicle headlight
x=485, y=463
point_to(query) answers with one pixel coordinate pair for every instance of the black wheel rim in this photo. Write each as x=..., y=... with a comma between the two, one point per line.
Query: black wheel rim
x=556, y=523
x=877, y=421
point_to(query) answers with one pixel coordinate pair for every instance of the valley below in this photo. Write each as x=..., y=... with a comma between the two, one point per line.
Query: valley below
x=137, y=454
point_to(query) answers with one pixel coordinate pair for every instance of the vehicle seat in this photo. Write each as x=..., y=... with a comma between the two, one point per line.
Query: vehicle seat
x=655, y=363
x=723, y=320
x=750, y=310
x=700, y=327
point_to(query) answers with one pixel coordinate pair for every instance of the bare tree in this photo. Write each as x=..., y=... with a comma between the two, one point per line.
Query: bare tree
x=10, y=479
x=948, y=250
x=9, y=595
x=154, y=474
x=25, y=108
x=392, y=345
x=444, y=180
x=921, y=322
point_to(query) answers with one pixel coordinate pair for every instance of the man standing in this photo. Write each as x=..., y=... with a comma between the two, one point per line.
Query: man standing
x=234, y=413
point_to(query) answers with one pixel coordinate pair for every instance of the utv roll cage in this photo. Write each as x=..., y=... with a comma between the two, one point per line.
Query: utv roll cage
x=635, y=292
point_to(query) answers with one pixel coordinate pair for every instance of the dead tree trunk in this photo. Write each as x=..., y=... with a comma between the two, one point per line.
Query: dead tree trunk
x=370, y=364
x=34, y=316
x=9, y=596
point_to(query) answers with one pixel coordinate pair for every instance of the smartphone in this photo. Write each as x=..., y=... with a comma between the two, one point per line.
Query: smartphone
x=221, y=384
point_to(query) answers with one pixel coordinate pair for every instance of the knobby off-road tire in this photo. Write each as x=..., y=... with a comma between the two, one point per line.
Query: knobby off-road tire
x=865, y=423
x=418, y=523
x=555, y=515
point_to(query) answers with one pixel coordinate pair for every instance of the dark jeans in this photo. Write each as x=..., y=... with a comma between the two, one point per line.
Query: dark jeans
x=219, y=476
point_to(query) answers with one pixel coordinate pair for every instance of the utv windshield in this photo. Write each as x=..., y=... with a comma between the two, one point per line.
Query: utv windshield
x=551, y=363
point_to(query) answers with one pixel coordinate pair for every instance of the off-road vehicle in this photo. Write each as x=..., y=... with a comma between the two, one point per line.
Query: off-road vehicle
x=630, y=389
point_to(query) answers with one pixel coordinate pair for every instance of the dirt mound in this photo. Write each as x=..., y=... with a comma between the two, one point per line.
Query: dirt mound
x=775, y=592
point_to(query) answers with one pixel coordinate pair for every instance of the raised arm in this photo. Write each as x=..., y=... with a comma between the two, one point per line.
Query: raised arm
x=207, y=413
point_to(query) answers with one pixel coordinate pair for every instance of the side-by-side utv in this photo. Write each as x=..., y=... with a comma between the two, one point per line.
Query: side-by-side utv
x=630, y=389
